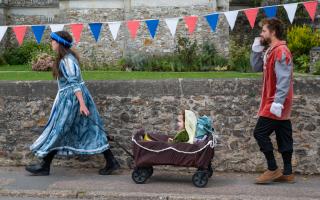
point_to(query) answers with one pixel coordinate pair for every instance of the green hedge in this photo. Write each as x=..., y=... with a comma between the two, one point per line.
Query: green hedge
x=25, y=53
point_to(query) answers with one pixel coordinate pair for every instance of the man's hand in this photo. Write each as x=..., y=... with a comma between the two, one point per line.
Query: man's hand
x=256, y=46
x=276, y=109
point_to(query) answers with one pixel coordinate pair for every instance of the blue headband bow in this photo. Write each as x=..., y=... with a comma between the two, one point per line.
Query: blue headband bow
x=60, y=40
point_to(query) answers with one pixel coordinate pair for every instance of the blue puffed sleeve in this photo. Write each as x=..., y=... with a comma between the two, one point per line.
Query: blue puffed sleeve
x=71, y=71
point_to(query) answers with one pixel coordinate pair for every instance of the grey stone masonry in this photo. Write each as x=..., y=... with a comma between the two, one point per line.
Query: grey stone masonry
x=127, y=106
x=315, y=60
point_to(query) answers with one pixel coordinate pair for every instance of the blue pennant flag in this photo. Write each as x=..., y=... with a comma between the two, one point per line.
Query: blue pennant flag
x=270, y=11
x=152, y=26
x=38, y=32
x=213, y=21
x=95, y=29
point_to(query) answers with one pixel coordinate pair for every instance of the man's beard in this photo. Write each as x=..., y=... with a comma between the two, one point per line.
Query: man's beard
x=265, y=42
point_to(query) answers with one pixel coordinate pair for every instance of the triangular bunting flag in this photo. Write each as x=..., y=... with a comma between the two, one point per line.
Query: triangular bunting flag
x=291, y=9
x=191, y=22
x=251, y=15
x=20, y=32
x=76, y=30
x=152, y=26
x=133, y=27
x=95, y=29
x=114, y=28
x=271, y=11
x=3, y=30
x=212, y=21
x=172, y=25
x=231, y=17
x=56, y=27
x=38, y=32
x=311, y=8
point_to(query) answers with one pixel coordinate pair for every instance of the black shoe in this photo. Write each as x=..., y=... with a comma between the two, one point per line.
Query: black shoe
x=43, y=168
x=110, y=168
x=38, y=169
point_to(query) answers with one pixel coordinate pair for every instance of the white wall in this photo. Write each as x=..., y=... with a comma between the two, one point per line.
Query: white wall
x=178, y=3
x=64, y=4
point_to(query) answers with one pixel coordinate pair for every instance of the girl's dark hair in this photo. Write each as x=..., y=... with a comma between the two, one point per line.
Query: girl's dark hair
x=62, y=51
x=274, y=25
x=183, y=113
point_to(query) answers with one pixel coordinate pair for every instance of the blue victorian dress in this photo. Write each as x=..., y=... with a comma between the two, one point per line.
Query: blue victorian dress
x=67, y=131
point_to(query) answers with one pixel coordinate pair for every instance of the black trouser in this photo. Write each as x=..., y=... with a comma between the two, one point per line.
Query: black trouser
x=283, y=129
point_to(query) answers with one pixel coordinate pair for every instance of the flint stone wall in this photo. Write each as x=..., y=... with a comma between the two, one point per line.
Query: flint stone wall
x=127, y=106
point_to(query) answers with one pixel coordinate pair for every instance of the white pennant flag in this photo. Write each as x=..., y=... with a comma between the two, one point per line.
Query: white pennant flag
x=114, y=28
x=231, y=17
x=3, y=30
x=172, y=25
x=291, y=10
x=56, y=27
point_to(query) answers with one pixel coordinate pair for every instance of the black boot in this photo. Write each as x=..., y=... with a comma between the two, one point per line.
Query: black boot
x=111, y=165
x=43, y=168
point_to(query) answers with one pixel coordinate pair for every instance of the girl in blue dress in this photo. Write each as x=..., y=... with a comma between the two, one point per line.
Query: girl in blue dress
x=69, y=130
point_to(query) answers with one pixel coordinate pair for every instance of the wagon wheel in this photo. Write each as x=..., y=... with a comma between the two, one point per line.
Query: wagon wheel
x=140, y=175
x=200, y=179
x=150, y=171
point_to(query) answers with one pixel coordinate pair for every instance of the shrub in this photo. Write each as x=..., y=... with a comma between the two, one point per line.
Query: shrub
x=187, y=53
x=239, y=58
x=302, y=64
x=301, y=39
x=210, y=58
x=2, y=60
x=254, y=3
x=24, y=53
x=188, y=56
x=42, y=62
x=317, y=68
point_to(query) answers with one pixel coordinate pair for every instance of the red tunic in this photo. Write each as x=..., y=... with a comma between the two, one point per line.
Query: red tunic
x=270, y=82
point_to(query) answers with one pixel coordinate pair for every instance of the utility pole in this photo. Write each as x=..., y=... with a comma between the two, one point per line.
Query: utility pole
x=126, y=16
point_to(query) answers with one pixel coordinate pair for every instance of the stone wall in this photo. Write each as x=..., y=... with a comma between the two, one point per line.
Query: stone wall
x=107, y=51
x=314, y=59
x=127, y=106
x=32, y=3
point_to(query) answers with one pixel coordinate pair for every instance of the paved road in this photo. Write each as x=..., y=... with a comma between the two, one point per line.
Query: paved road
x=30, y=198
x=84, y=183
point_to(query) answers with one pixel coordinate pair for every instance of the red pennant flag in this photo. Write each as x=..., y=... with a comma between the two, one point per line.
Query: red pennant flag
x=133, y=27
x=252, y=15
x=311, y=8
x=191, y=22
x=20, y=32
x=76, y=30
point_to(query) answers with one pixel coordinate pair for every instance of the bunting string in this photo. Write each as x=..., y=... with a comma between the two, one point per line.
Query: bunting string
x=152, y=24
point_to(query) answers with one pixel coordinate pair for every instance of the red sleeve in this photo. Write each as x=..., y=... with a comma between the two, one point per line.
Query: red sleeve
x=283, y=50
